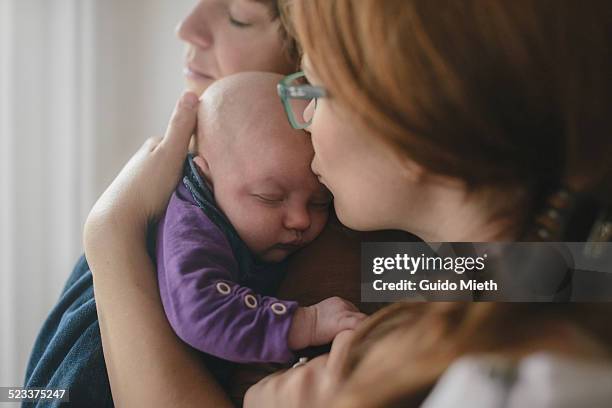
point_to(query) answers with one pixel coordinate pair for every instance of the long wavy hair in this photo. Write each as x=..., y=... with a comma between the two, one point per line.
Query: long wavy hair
x=511, y=97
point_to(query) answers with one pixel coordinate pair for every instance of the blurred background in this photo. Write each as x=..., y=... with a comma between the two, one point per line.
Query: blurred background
x=82, y=84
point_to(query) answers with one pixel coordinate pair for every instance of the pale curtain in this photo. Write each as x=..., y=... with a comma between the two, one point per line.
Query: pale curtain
x=82, y=84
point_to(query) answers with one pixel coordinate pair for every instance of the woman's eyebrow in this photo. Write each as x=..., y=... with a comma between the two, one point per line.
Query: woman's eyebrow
x=257, y=5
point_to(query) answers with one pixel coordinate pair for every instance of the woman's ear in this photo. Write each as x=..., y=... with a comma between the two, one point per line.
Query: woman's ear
x=204, y=168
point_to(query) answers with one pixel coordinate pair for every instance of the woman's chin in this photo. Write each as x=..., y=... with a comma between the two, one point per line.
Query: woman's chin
x=343, y=216
x=356, y=222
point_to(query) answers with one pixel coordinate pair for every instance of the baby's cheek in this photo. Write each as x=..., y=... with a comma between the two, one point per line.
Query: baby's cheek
x=319, y=221
x=269, y=225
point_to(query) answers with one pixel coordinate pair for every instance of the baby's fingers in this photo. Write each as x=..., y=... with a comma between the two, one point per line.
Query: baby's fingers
x=350, y=306
x=338, y=303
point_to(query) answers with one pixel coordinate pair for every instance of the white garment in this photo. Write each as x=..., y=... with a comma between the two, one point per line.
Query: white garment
x=541, y=380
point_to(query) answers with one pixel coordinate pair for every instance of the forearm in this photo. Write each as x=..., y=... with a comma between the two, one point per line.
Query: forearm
x=223, y=325
x=147, y=364
x=207, y=307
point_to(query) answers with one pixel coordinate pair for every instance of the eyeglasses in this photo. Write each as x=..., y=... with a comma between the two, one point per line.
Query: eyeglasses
x=296, y=86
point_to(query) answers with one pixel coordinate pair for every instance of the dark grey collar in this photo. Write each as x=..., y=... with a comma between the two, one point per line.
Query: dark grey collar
x=247, y=264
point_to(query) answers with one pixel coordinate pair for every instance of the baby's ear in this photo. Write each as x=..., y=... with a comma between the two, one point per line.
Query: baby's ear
x=204, y=168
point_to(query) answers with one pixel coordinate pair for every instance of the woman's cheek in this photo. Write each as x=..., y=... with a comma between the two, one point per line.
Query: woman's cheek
x=231, y=56
x=322, y=136
x=246, y=52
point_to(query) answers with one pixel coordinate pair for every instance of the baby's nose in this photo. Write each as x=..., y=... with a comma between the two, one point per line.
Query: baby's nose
x=297, y=218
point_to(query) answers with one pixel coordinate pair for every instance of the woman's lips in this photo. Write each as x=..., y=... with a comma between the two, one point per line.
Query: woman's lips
x=194, y=74
x=315, y=171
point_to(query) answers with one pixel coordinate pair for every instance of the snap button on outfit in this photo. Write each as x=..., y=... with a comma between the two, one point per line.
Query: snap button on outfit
x=278, y=308
x=250, y=301
x=223, y=288
x=301, y=362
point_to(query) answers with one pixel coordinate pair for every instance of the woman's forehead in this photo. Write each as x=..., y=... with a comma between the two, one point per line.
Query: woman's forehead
x=267, y=5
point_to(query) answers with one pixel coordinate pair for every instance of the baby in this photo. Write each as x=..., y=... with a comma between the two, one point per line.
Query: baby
x=248, y=199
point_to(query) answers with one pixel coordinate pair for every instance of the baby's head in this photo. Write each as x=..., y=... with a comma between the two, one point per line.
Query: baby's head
x=258, y=166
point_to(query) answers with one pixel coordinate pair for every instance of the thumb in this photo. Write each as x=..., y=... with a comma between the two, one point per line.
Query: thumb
x=181, y=127
x=339, y=351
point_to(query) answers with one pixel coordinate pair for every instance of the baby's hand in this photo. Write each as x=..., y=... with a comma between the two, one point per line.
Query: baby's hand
x=318, y=324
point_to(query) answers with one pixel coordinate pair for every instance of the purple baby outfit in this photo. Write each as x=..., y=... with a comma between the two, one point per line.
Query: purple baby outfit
x=200, y=286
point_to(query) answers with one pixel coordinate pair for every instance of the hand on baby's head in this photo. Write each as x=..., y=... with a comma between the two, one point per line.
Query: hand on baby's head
x=258, y=166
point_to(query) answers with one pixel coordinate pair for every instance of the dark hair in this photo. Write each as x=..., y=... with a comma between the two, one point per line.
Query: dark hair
x=506, y=95
x=277, y=9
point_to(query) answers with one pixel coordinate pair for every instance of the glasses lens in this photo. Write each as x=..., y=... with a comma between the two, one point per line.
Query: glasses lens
x=301, y=107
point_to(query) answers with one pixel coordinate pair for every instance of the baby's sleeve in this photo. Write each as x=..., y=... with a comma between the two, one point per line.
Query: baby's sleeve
x=205, y=306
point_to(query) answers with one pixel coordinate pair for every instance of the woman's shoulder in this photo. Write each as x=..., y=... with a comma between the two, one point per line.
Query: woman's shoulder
x=539, y=380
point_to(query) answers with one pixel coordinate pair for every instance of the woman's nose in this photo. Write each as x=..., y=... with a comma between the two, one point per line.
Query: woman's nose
x=297, y=218
x=194, y=28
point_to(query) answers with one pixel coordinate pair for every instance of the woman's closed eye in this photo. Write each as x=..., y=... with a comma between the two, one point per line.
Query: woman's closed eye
x=238, y=23
x=245, y=14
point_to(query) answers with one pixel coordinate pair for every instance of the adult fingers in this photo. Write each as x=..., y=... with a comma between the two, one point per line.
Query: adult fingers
x=181, y=127
x=339, y=352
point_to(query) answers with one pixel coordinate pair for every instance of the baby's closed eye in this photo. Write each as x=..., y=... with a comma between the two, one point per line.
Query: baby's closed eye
x=320, y=204
x=269, y=198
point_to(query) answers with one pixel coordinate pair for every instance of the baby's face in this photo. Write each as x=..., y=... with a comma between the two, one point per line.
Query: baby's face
x=271, y=196
x=259, y=167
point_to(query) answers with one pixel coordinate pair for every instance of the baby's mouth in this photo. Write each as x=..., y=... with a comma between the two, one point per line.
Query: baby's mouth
x=288, y=247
